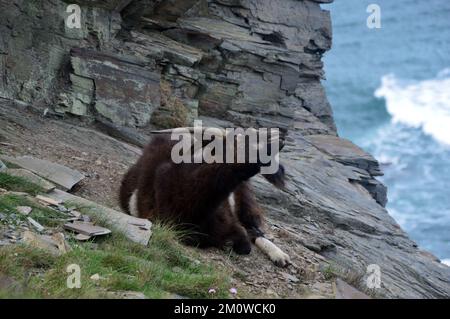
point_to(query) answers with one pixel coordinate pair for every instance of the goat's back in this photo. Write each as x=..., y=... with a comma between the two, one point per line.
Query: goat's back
x=142, y=174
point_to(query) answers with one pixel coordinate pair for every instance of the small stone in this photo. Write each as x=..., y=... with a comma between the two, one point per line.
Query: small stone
x=63, y=209
x=2, y=166
x=35, y=224
x=290, y=277
x=270, y=292
x=82, y=237
x=96, y=277
x=4, y=242
x=48, y=201
x=75, y=213
x=177, y=269
x=55, y=244
x=10, y=236
x=24, y=210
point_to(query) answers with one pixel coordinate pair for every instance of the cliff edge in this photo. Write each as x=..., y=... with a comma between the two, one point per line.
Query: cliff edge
x=135, y=65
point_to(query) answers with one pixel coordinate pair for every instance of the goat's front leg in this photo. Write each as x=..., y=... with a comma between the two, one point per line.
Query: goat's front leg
x=276, y=255
x=247, y=209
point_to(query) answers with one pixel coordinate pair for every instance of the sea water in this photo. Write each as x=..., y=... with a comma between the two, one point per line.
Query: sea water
x=390, y=93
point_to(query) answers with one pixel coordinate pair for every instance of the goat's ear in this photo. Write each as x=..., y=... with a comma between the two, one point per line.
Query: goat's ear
x=277, y=179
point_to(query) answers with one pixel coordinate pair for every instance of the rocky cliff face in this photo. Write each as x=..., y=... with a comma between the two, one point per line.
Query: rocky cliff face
x=134, y=65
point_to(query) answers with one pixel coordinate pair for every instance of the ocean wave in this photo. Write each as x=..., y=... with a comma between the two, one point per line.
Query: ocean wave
x=424, y=104
x=446, y=262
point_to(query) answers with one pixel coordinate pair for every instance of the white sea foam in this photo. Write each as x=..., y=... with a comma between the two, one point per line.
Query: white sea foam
x=446, y=262
x=424, y=104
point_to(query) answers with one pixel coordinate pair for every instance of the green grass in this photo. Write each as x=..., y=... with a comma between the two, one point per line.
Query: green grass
x=330, y=272
x=18, y=184
x=161, y=269
x=43, y=215
x=9, y=164
x=351, y=276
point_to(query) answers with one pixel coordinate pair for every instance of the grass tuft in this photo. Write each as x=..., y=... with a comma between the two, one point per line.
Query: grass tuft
x=122, y=266
x=160, y=270
x=163, y=269
x=43, y=215
x=18, y=184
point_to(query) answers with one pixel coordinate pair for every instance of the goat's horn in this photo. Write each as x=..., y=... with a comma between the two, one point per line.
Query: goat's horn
x=173, y=130
x=215, y=130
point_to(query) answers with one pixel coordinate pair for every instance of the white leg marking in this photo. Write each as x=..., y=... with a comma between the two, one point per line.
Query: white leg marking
x=132, y=205
x=232, y=202
x=275, y=254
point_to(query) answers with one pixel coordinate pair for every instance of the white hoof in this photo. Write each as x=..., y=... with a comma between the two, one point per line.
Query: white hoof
x=276, y=255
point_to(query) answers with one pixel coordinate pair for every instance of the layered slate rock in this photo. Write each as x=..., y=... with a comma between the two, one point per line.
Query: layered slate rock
x=137, y=64
x=59, y=174
x=328, y=211
x=126, y=91
x=364, y=166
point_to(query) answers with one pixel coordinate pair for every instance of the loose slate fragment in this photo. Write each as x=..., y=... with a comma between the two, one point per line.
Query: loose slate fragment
x=24, y=210
x=75, y=213
x=56, y=173
x=48, y=201
x=136, y=229
x=87, y=228
x=33, y=178
x=96, y=277
x=62, y=209
x=82, y=237
x=35, y=224
x=290, y=277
